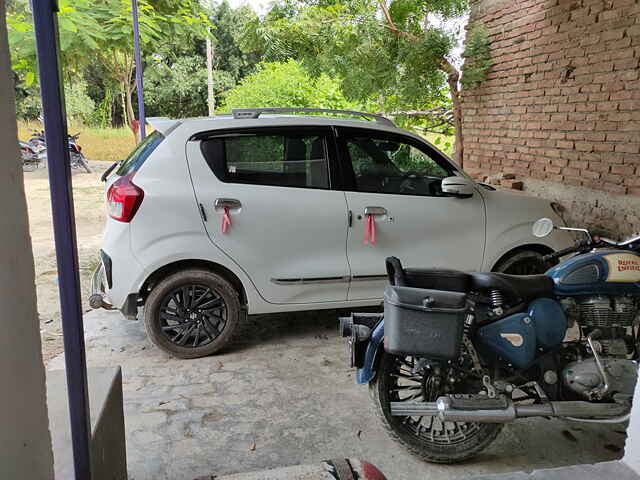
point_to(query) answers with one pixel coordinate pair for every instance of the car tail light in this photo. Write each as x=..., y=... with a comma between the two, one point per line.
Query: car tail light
x=124, y=198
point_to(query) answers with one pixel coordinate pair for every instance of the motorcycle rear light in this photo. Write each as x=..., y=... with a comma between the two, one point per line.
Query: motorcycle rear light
x=124, y=198
x=79, y=148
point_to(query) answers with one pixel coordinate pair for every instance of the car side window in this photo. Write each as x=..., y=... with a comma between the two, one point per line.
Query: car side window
x=388, y=165
x=278, y=160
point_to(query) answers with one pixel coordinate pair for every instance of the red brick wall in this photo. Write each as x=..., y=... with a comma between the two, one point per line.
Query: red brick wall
x=562, y=100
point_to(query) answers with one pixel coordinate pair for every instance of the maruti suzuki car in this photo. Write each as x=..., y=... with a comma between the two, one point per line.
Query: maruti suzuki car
x=264, y=211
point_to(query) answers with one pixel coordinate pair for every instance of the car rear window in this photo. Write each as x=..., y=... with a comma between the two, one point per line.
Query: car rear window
x=138, y=156
x=277, y=160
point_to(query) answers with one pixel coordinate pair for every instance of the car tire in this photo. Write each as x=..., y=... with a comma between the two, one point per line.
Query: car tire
x=524, y=262
x=179, y=325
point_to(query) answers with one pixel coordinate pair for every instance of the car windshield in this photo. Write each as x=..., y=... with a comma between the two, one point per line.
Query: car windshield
x=138, y=156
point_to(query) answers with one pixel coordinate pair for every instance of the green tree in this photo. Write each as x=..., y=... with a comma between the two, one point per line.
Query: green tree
x=286, y=84
x=176, y=76
x=101, y=32
x=179, y=88
x=396, y=53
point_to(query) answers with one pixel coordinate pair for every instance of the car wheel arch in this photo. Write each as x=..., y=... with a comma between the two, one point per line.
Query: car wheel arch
x=534, y=247
x=187, y=264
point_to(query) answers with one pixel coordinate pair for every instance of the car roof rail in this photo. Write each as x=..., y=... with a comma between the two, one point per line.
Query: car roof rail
x=252, y=113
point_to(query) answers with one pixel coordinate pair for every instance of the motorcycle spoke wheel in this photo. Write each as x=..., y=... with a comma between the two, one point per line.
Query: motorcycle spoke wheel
x=398, y=380
x=409, y=387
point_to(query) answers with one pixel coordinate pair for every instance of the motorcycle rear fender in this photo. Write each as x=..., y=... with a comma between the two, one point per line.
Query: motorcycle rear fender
x=373, y=353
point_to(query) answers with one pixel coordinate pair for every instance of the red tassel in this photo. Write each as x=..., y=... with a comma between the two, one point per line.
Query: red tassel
x=226, y=220
x=370, y=231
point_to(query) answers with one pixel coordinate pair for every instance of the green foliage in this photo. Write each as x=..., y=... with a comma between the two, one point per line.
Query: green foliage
x=477, y=55
x=78, y=104
x=286, y=84
x=396, y=67
x=28, y=105
x=101, y=115
x=228, y=27
x=96, y=37
x=179, y=89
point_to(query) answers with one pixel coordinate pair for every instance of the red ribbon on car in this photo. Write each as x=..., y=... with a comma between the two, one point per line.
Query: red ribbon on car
x=370, y=230
x=226, y=220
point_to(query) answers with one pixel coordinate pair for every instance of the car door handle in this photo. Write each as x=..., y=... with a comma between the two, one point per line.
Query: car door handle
x=375, y=211
x=230, y=203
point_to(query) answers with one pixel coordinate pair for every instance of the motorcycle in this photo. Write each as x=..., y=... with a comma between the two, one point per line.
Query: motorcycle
x=457, y=355
x=29, y=157
x=76, y=157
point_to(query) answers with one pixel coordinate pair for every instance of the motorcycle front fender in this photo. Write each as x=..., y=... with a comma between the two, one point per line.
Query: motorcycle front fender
x=373, y=352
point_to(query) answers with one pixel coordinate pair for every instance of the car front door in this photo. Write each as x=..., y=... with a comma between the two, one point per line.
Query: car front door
x=393, y=190
x=287, y=228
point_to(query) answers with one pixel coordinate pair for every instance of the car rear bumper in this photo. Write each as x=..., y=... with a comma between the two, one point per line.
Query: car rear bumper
x=98, y=282
x=98, y=299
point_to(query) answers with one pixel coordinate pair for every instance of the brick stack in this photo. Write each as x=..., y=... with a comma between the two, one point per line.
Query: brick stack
x=562, y=100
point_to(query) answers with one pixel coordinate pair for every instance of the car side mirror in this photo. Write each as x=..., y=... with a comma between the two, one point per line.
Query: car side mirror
x=458, y=186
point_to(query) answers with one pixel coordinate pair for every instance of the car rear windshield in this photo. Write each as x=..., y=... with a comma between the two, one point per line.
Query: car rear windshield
x=136, y=158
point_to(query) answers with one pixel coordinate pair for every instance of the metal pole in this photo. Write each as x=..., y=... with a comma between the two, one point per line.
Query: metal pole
x=210, y=98
x=136, y=54
x=64, y=228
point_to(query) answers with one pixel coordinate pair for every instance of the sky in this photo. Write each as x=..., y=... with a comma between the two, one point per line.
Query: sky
x=259, y=6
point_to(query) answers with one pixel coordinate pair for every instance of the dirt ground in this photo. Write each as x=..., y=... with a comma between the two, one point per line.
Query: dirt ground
x=88, y=197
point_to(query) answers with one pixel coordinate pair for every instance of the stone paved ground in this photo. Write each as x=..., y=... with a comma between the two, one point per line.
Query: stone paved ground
x=283, y=395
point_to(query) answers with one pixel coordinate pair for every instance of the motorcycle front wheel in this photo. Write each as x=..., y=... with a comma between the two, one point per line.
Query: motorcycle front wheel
x=426, y=437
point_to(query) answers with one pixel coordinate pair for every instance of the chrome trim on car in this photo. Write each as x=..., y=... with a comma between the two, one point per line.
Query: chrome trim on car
x=309, y=281
x=320, y=280
x=368, y=278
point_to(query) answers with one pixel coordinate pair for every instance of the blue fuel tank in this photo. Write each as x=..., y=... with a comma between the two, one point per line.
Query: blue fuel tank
x=603, y=272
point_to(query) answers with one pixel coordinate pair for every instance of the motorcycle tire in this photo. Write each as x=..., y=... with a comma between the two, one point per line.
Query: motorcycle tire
x=414, y=437
x=83, y=162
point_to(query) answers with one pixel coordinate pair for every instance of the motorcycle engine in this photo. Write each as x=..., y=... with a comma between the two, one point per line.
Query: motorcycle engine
x=601, y=311
x=610, y=321
x=583, y=377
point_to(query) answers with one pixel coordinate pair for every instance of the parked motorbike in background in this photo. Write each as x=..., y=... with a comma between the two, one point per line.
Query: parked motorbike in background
x=38, y=144
x=76, y=157
x=457, y=355
x=29, y=157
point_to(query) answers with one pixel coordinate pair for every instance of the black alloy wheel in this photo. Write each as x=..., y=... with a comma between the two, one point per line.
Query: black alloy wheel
x=193, y=316
x=192, y=313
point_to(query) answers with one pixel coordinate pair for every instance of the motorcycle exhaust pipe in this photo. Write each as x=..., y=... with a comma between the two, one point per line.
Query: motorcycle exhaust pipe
x=503, y=410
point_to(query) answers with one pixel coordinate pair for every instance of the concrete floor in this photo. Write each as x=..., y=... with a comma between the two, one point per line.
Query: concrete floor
x=283, y=395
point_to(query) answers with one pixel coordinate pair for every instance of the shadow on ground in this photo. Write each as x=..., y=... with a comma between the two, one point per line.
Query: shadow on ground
x=283, y=395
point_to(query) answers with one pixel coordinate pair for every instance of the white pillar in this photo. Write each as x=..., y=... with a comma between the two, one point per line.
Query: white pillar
x=25, y=443
x=632, y=448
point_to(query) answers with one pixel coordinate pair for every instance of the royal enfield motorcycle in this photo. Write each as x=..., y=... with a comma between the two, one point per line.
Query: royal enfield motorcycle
x=457, y=355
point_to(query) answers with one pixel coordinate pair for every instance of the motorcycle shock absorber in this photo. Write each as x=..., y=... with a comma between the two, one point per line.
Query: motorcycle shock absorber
x=497, y=301
x=496, y=298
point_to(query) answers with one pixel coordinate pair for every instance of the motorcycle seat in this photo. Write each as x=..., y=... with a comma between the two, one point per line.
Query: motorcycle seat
x=522, y=287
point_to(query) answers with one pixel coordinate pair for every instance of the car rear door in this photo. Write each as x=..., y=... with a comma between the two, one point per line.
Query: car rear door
x=288, y=228
x=392, y=185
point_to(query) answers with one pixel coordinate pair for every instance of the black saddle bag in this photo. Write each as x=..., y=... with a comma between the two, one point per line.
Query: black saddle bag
x=424, y=322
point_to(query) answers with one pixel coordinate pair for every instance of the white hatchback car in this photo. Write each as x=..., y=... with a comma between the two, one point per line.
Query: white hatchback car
x=213, y=218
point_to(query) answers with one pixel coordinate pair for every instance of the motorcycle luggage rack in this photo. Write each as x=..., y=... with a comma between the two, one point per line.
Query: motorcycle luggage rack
x=253, y=113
